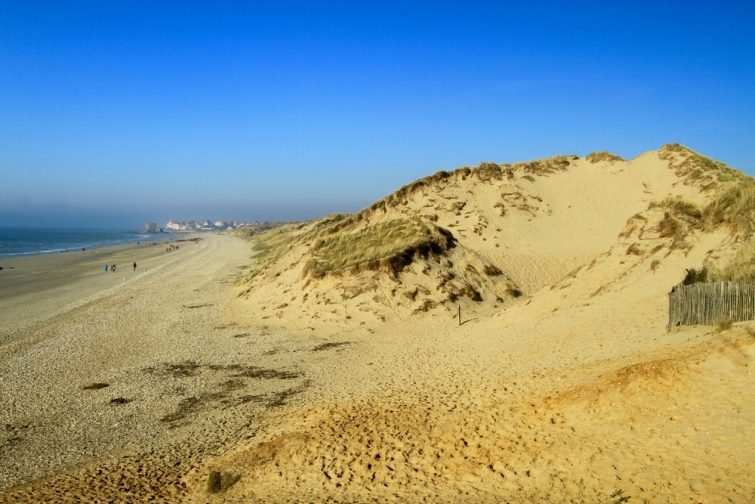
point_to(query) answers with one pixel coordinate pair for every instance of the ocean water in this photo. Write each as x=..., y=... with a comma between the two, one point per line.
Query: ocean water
x=18, y=241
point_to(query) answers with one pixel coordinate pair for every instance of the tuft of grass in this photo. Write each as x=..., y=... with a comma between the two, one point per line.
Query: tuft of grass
x=680, y=207
x=618, y=497
x=597, y=157
x=733, y=206
x=695, y=276
x=670, y=227
x=741, y=267
x=330, y=345
x=392, y=243
x=634, y=249
x=492, y=270
x=214, y=482
x=545, y=166
x=514, y=292
x=695, y=169
x=269, y=246
x=679, y=219
x=485, y=172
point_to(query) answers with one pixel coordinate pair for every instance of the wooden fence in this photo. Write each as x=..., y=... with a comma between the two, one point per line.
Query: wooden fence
x=709, y=303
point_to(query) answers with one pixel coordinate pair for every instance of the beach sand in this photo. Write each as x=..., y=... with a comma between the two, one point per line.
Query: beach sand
x=36, y=287
x=530, y=404
x=135, y=335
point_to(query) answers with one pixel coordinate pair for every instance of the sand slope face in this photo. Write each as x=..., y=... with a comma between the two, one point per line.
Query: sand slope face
x=578, y=395
x=490, y=236
x=573, y=391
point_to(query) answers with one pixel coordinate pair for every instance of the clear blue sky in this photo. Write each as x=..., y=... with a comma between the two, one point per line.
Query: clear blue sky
x=114, y=113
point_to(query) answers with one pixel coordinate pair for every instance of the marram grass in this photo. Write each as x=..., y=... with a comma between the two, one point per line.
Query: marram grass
x=372, y=244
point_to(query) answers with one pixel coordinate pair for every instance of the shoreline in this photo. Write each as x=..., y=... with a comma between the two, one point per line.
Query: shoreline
x=95, y=384
x=35, y=288
x=155, y=238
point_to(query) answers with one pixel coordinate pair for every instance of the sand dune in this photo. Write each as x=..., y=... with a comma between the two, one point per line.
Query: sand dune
x=332, y=367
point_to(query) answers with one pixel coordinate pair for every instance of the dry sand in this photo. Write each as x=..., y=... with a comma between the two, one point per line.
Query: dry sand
x=159, y=343
x=575, y=392
x=510, y=407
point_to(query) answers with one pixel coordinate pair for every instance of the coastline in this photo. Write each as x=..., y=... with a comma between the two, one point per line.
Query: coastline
x=36, y=287
x=28, y=242
x=126, y=339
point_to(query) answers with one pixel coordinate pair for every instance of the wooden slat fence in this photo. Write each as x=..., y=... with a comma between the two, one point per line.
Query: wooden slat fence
x=709, y=303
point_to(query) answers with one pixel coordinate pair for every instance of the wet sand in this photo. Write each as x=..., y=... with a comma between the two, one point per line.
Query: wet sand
x=33, y=288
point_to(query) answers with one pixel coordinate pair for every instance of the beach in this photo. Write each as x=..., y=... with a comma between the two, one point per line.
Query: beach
x=35, y=287
x=96, y=328
x=146, y=389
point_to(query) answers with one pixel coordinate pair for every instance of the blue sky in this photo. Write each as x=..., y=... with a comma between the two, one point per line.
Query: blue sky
x=114, y=113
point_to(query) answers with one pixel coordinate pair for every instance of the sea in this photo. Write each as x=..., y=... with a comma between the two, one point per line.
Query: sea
x=23, y=241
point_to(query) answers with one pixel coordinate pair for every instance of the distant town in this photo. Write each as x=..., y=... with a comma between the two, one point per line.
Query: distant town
x=206, y=225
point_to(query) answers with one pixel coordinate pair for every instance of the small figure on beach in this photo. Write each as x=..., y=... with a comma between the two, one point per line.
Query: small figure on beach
x=112, y=268
x=134, y=265
x=106, y=267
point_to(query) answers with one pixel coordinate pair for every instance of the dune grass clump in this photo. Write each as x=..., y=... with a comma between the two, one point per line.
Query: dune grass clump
x=546, y=166
x=694, y=276
x=741, y=267
x=679, y=218
x=694, y=168
x=402, y=195
x=597, y=157
x=680, y=207
x=734, y=206
x=619, y=497
x=492, y=270
x=269, y=246
x=393, y=244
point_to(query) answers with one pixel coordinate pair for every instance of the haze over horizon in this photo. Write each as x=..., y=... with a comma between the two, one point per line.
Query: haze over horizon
x=115, y=114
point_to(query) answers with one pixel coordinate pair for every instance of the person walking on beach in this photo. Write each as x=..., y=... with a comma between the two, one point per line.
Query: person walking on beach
x=134, y=265
x=112, y=268
x=106, y=267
